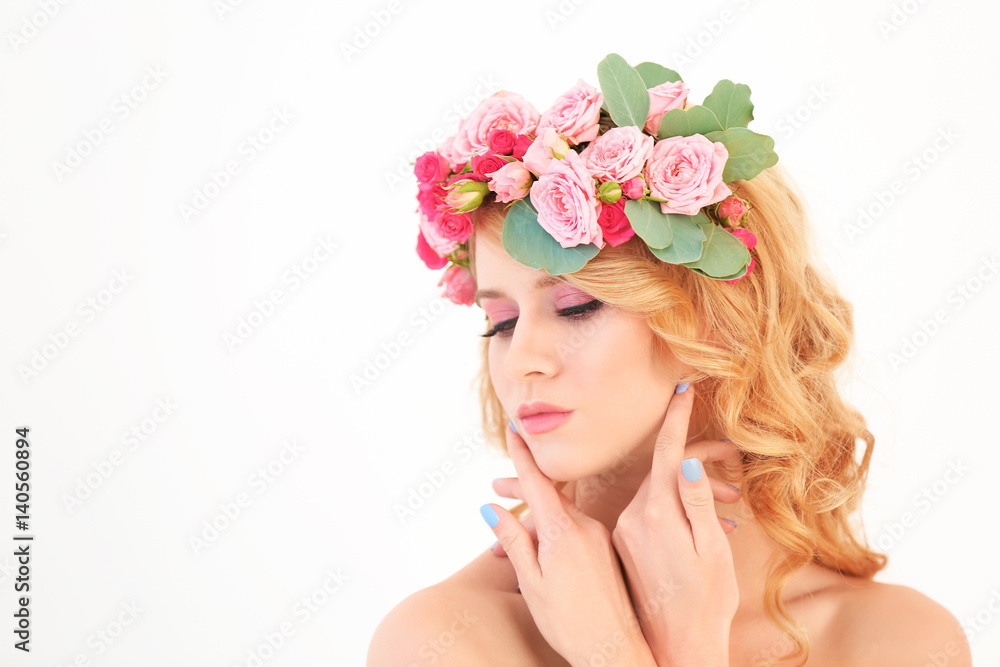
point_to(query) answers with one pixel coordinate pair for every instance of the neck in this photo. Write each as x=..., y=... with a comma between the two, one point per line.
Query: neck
x=604, y=496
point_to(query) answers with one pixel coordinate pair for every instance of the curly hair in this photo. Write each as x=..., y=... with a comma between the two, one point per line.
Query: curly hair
x=765, y=350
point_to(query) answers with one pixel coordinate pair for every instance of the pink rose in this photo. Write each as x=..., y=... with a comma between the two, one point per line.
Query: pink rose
x=663, y=98
x=454, y=226
x=434, y=238
x=732, y=211
x=431, y=167
x=501, y=141
x=687, y=172
x=566, y=202
x=614, y=223
x=484, y=165
x=575, y=113
x=618, y=154
x=459, y=286
x=503, y=110
x=431, y=199
x=634, y=188
x=521, y=144
x=547, y=146
x=510, y=182
x=749, y=240
x=427, y=253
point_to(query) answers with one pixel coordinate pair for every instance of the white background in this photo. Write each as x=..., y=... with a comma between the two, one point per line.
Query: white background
x=852, y=92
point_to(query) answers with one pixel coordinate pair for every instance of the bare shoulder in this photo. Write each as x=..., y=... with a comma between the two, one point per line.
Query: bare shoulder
x=889, y=624
x=468, y=619
x=430, y=627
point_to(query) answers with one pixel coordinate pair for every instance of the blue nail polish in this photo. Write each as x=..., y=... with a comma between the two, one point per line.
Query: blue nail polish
x=489, y=514
x=729, y=520
x=726, y=440
x=495, y=544
x=681, y=387
x=692, y=469
x=511, y=422
x=734, y=487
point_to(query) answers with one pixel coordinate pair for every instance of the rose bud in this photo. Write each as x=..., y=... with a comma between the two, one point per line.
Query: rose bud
x=634, y=188
x=609, y=192
x=466, y=195
x=732, y=211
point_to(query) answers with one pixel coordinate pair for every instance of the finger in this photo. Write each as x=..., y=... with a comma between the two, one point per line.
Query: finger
x=724, y=493
x=536, y=487
x=515, y=540
x=728, y=525
x=710, y=451
x=529, y=525
x=696, y=496
x=508, y=487
x=670, y=445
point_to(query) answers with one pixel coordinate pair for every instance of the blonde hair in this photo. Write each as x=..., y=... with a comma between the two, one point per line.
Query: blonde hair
x=764, y=350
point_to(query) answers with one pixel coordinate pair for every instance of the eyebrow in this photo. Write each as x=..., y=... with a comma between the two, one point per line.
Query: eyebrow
x=544, y=281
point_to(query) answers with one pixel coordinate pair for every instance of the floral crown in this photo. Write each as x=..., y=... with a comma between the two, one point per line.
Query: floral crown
x=599, y=166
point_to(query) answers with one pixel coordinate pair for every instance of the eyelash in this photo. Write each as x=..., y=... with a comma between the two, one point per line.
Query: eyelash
x=581, y=312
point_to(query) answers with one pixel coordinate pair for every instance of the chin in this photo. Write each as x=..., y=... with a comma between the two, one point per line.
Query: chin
x=560, y=461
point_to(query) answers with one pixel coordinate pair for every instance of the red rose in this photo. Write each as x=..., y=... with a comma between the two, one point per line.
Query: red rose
x=484, y=165
x=501, y=141
x=431, y=167
x=614, y=223
x=521, y=145
x=426, y=253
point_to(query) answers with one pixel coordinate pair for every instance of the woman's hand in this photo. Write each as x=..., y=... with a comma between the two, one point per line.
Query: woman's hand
x=703, y=450
x=572, y=581
x=676, y=556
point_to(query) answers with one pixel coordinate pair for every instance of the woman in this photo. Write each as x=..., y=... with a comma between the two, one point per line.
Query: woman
x=676, y=428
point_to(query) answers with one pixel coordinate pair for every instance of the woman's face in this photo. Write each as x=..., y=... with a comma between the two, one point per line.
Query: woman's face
x=599, y=365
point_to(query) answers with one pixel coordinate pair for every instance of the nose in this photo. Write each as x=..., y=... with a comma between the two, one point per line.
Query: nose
x=533, y=350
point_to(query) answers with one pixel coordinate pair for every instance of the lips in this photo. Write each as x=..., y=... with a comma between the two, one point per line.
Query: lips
x=538, y=407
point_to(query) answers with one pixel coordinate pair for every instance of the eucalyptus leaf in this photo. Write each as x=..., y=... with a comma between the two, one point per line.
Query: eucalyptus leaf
x=739, y=274
x=731, y=104
x=689, y=238
x=723, y=255
x=749, y=153
x=653, y=74
x=649, y=223
x=527, y=241
x=624, y=91
x=685, y=122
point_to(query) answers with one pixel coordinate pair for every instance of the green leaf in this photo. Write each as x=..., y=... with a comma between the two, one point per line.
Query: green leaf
x=749, y=153
x=731, y=104
x=653, y=74
x=689, y=238
x=624, y=91
x=526, y=241
x=739, y=274
x=685, y=122
x=724, y=255
x=649, y=223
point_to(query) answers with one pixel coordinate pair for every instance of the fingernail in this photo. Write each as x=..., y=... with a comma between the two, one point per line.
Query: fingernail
x=511, y=422
x=726, y=440
x=489, y=514
x=734, y=487
x=518, y=589
x=496, y=478
x=681, y=387
x=692, y=469
x=495, y=544
x=730, y=521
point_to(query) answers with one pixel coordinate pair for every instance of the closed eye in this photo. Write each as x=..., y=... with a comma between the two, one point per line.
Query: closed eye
x=576, y=313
